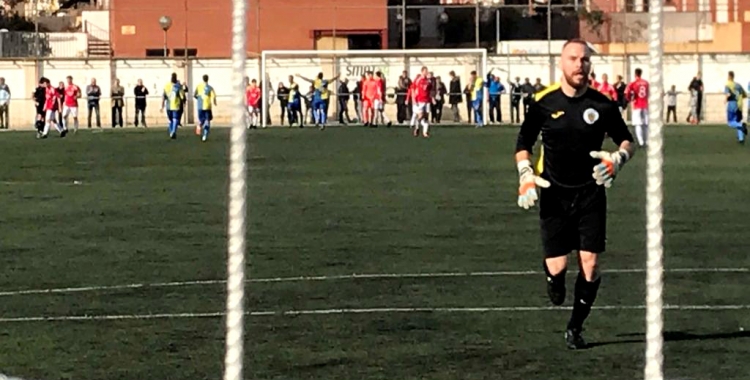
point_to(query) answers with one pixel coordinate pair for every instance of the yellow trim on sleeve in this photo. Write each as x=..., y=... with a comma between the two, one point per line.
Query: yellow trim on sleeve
x=539, y=95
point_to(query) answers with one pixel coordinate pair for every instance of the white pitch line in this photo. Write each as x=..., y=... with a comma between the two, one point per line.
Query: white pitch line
x=386, y=310
x=355, y=276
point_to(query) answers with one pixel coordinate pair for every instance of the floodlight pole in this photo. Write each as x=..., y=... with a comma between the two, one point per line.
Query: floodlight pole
x=165, y=22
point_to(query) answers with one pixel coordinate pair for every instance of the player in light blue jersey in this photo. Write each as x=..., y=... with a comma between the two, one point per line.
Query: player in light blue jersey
x=735, y=95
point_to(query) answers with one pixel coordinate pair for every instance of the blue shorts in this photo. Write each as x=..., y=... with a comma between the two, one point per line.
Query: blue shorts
x=205, y=115
x=318, y=104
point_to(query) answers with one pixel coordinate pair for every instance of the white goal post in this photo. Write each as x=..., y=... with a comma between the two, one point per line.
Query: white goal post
x=277, y=65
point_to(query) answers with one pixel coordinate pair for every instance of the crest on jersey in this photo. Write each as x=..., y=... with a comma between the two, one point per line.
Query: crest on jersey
x=590, y=116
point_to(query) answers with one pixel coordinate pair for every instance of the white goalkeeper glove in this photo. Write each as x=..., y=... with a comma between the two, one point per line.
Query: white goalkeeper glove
x=528, y=181
x=611, y=163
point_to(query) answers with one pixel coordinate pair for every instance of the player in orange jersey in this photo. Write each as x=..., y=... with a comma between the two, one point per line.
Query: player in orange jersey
x=370, y=93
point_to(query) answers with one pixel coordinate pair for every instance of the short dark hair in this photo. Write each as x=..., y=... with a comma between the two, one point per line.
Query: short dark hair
x=473, y=72
x=173, y=78
x=205, y=78
x=253, y=81
x=69, y=77
x=731, y=74
x=638, y=72
x=579, y=41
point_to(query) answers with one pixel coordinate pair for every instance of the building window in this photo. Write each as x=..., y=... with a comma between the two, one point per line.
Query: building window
x=157, y=52
x=191, y=52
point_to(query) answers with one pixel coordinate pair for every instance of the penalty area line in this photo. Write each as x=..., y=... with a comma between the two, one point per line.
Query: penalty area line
x=386, y=310
x=364, y=276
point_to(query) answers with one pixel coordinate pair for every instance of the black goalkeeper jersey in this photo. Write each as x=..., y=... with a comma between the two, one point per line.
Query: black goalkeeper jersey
x=571, y=128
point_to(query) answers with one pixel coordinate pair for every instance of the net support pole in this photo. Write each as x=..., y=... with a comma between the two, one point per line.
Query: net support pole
x=486, y=89
x=654, y=198
x=237, y=201
x=266, y=90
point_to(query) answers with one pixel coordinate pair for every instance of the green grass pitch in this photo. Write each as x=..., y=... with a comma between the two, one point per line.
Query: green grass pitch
x=130, y=207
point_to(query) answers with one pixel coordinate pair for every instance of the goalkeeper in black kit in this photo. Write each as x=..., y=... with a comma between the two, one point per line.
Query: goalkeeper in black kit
x=572, y=174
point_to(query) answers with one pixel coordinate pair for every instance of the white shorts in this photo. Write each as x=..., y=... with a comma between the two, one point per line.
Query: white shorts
x=51, y=115
x=252, y=110
x=421, y=107
x=72, y=111
x=640, y=116
x=377, y=104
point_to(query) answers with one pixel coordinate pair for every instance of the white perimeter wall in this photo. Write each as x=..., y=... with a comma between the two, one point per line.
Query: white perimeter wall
x=678, y=70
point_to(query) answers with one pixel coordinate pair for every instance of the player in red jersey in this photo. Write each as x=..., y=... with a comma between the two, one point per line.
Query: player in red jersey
x=380, y=102
x=422, y=87
x=370, y=92
x=252, y=97
x=637, y=93
x=70, y=103
x=51, y=107
x=607, y=89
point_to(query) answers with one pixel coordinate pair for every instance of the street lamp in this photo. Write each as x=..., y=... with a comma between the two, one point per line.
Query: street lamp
x=165, y=22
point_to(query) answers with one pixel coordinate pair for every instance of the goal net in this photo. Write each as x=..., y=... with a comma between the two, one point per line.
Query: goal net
x=348, y=67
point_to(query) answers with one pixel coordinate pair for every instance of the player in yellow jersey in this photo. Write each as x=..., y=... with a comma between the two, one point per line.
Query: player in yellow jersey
x=206, y=98
x=173, y=97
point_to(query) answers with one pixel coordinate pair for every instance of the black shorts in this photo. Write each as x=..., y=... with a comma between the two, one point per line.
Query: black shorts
x=573, y=219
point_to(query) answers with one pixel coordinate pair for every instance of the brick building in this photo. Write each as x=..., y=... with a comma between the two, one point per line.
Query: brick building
x=203, y=27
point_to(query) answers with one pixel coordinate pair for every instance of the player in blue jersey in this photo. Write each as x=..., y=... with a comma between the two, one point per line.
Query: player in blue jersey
x=321, y=98
x=294, y=107
x=205, y=98
x=173, y=97
x=477, y=98
x=735, y=95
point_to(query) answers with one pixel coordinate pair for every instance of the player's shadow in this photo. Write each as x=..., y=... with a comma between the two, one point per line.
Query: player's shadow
x=672, y=336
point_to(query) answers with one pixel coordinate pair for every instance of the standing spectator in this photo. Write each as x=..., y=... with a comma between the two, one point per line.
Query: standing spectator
x=357, y=93
x=467, y=93
x=39, y=96
x=538, y=86
x=516, y=93
x=697, y=85
x=4, y=104
x=308, y=113
x=454, y=95
x=271, y=95
x=402, y=110
x=671, y=96
x=141, y=94
x=118, y=102
x=60, y=96
x=433, y=93
x=343, y=96
x=93, y=95
x=282, y=94
x=380, y=103
x=495, y=89
x=620, y=87
x=440, y=93
x=528, y=95
x=70, y=103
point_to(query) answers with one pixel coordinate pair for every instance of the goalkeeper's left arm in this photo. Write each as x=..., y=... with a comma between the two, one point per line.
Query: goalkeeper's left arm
x=610, y=163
